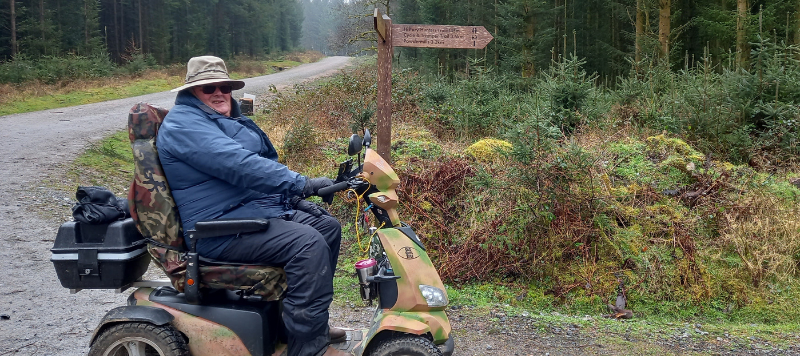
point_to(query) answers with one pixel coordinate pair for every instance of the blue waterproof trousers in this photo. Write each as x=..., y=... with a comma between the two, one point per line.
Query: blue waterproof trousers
x=307, y=248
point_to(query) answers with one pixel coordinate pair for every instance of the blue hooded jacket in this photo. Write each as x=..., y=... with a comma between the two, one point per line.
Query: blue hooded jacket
x=221, y=167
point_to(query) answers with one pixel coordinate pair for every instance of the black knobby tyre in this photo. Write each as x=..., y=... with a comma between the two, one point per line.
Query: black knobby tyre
x=406, y=346
x=139, y=339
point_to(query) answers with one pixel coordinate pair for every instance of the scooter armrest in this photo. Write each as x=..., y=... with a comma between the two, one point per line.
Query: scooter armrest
x=222, y=227
x=212, y=228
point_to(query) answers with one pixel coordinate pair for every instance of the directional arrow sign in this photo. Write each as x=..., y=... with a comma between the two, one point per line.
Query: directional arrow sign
x=440, y=36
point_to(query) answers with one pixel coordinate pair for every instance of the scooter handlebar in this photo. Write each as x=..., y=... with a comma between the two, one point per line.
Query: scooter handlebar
x=329, y=190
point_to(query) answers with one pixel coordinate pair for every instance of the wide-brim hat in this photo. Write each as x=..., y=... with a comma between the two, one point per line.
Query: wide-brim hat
x=207, y=70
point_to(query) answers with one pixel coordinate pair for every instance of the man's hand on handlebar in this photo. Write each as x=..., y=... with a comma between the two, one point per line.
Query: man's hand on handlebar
x=313, y=185
x=325, y=188
x=327, y=192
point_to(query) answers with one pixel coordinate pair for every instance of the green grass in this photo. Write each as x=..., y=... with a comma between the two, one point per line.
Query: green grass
x=113, y=152
x=89, y=96
x=643, y=333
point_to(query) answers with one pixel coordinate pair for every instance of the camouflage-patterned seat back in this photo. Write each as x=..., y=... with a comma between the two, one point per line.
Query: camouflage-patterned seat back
x=156, y=216
x=149, y=197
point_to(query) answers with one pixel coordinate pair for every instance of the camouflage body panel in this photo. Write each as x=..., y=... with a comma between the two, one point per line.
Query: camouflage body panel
x=414, y=266
x=156, y=215
x=380, y=174
x=434, y=323
x=416, y=323
x=206, y=338
x=411, y=313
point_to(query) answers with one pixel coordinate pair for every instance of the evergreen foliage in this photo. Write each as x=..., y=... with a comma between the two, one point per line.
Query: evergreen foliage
x=530, y=35
x=168, y=31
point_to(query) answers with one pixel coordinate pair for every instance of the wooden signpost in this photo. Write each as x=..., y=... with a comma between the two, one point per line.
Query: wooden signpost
x=428, y=36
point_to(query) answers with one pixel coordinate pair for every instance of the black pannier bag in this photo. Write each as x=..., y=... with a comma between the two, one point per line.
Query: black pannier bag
x=98, y=205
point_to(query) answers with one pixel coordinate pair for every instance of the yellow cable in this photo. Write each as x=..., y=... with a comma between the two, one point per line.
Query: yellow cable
x=358, y=211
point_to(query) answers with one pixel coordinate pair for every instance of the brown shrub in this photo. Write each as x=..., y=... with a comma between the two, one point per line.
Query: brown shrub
x=246, y=66
x=305, y=57
x=766, y=237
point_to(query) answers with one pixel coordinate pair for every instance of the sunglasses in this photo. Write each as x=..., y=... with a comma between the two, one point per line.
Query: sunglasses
x=211, y=89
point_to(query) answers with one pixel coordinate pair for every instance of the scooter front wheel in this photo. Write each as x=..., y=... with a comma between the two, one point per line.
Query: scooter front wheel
x=406, y=346
x=139, y=339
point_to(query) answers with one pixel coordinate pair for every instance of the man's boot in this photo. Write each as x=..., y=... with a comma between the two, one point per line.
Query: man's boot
x=336, y=335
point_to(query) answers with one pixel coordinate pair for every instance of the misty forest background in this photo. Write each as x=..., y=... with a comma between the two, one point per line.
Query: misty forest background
x=610, y=35
x=646, y=147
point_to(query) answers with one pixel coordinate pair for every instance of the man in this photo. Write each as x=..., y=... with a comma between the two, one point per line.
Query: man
x=220, y=164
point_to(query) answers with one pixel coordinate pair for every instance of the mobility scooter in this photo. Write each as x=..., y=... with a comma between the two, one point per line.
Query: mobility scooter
x=215, y=308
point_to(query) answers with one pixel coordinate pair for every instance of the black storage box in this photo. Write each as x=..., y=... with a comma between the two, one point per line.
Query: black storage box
x=99, y=256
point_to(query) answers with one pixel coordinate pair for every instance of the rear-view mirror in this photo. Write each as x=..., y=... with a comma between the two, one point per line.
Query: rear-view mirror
x=355, y=145
x=367, y=138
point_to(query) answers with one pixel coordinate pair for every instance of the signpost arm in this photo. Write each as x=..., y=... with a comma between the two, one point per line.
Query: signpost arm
x=385, y=53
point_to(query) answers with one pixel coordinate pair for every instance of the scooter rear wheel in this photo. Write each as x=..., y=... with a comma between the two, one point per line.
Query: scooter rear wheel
x=407, y=346
x=139, y=339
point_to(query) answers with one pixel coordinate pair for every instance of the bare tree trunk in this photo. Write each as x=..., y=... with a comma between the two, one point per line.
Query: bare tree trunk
x=496, y=53
x=614, y=33
x=716, y=41
x=58, y=11
x=528, y=69
x=639, y=29
x=141, y=31
x=797, y=24
x=742, y=47
x=663, y=28
x=41, y=18
x=86, y=23
x=557, y=39
x=565, y=30
x=14, y=48
x=116, y=31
